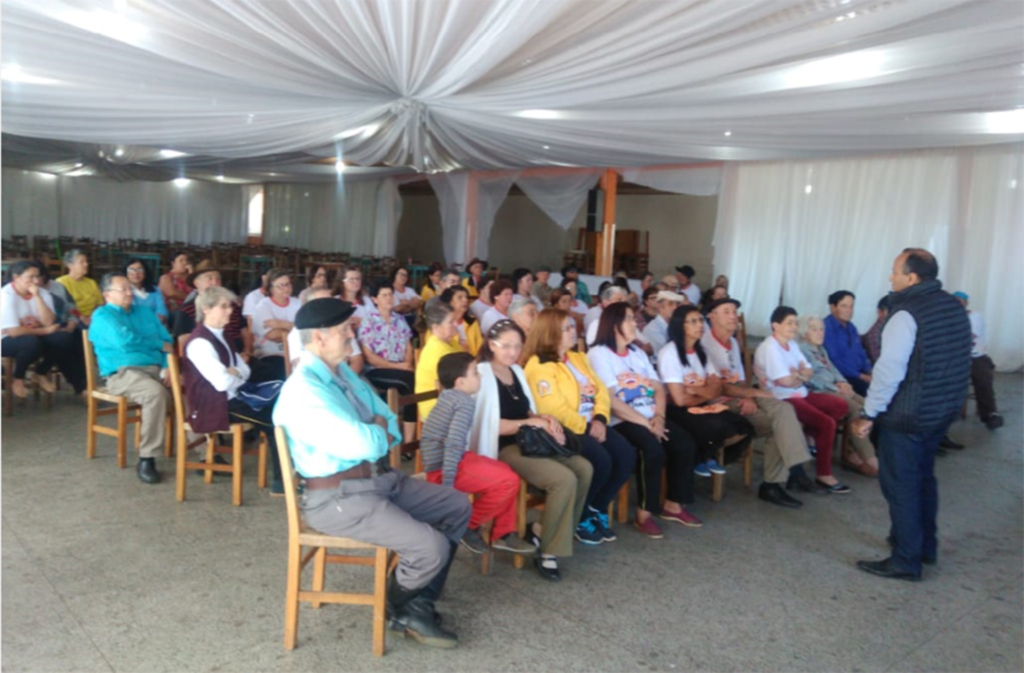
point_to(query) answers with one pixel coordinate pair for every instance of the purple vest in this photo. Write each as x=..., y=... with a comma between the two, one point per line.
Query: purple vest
x=208, y=407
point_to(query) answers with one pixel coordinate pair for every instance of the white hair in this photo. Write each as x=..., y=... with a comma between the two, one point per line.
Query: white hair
x=519, y=304
x=806, y=321
x=210, y=297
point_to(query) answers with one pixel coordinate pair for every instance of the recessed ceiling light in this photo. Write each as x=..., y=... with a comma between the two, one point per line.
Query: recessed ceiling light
x=539, y=114
x=219, y=178
x=171, y=154
x=547, y=147
x=181, y=182
x=808, y=189
x=727, y=134
x=119, y=152
x=339, y=166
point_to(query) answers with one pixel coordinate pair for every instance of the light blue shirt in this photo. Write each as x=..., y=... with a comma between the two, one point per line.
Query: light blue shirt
x=132, y=338
x=154, y=301
x=324, y=429
x=898, y=339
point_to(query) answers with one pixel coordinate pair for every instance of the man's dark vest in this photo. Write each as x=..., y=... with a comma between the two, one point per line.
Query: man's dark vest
x=931, y=395
x=207, y=406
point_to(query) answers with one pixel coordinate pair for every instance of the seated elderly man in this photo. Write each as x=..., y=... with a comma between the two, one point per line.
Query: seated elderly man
x=656, y=331
x=131, y=350
x=354, y=360
x=339, y=433
x=981, y=368
x=236, y=332
x=843, y=342
x=872, y=339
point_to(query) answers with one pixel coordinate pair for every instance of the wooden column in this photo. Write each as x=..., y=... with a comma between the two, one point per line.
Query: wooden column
x=606, y=241
x=472, y=192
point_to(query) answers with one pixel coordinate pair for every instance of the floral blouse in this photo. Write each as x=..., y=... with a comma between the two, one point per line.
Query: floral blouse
x=385, y=338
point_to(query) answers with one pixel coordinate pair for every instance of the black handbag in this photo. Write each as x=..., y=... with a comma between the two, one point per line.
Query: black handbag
x=536, y=442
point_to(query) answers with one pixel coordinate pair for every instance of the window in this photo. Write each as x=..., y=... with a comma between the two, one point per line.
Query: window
x=256, y=213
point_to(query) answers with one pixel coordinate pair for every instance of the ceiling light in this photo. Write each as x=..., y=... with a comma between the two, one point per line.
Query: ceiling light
x=539, y=114
x=808, y=189
x=339, y=166
x=171, y=154
x=181, y=182
x=47, y=176
x=78, y=165
x=842, y=68
x=727, y=134
x=219, y=178
x=14, y=73
x=1007, y=121
x=547, y=147
x=119, y=152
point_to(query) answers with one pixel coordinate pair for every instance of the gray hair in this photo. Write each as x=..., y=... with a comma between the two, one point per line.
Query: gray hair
x=71, y=255
x=612, y=290
x=210, y=297
x=306, y=337
x=805, y=322
x=450, y=272
x=519, y=304
x=108, y=279
x=318, y=293
x=435, y=313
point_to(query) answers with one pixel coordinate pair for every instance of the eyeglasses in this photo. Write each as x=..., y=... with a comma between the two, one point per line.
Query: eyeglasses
x=507, y=347
x=136, y=269
x=571, y=327
x=353, y=280
x=281, y=285
x=118, y=289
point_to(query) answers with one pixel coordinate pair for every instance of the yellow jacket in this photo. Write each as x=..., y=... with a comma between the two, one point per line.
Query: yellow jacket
x=557, y=392
x=427, y=293
x=470, y=288
x=426, y=370
x=474, y=339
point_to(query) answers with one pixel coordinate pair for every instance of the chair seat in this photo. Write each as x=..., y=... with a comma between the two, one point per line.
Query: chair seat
x=104, y=395
x=314, y=538
x=246, y=427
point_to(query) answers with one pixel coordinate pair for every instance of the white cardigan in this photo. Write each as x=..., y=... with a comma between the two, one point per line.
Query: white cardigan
x=483, y=436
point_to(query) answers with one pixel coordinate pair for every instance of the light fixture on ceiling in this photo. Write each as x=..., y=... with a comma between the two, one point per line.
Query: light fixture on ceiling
x=339, y=166
x=547, y=147
x=171, y=154
x=219, y=178
x=119, y=152
x=46, y=176
x=808, y=189
x=14, y=73
x=1006, y=121
x=727, y=134
x=540, y=114
x=833, y=69
x=78, y=165
x=181, y=182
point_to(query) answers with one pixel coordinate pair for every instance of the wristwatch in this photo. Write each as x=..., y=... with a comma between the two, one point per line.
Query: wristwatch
x=864, y=415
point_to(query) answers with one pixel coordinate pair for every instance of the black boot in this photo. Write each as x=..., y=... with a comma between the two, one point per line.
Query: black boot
x=412, y=613
x=147, y=471
x=799, y=480
x=433, y=590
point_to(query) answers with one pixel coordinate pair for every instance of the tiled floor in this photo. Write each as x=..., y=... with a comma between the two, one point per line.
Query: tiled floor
x=102, y=572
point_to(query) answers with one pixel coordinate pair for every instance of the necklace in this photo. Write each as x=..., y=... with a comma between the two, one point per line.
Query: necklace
x=509, y=387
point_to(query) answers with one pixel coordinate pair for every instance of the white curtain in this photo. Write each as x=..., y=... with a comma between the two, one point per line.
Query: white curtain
x=455, y=200
x=199, y=212
x=560, y=196
x=796, y=231
x=698, y=181
x=358, y=217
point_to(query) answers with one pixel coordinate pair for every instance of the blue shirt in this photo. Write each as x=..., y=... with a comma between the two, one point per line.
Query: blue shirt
x=898, y=339
x=324, y=430
x=582, y=292
x=154, y=301
x=842, y=342
x=132, y=338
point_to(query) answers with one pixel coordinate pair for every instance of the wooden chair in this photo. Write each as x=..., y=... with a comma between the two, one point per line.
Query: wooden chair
x=8, y=385
x=718, y=480
x=526, y=501
x=236, y=448
x=127, y=412
x=299, y=536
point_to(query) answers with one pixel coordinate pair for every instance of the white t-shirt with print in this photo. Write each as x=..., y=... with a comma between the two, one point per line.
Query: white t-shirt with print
x=629, y=377
x=774, y=361
x=726, y=360
x=16, y=311
x=270, y=310
x=407, y=294
x=251, y=301
x=689, y=373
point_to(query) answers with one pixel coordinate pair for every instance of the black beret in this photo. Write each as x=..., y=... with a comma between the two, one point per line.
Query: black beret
x=686, y=270
x=323, y=312
x=719, y=302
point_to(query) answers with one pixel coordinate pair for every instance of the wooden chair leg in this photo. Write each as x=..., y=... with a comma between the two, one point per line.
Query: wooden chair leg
x=90, y=433
x=518, y=560
x=319, y=568
x=236, y=465
x=211, y=451
x=624, y=503
x=291, y=601
x=261, y=475
x=138, y=431
x=169, y=437
x=748, y=467
x=122, y=432
x=179, y=478
x=718, y=480
x=380, y=577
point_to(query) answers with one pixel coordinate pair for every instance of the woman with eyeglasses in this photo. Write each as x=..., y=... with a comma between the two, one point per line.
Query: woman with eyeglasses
x=273, y=319
x=432, y=287
x=351, y=290
x=564, y=386
x=144, y=292
x=320, y=279
x=407, y=301
x=504, y=405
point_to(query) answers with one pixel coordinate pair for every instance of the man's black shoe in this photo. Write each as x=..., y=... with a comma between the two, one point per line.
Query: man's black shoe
x=885, y=568
x=948, y=443
x=799, y=480
x=994, y=421
x=926, y=560
x=418, y=620
x=775, y=494
x=941, y=452
x=147, y=471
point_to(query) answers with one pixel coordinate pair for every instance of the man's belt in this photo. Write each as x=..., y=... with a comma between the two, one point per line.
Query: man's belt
x=364, y=470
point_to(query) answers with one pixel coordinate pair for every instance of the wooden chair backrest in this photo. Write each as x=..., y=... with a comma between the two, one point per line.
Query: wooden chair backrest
x=395, y=404
x=91, y=372
x=288, y=476
x=182, y=342
x=174, y=372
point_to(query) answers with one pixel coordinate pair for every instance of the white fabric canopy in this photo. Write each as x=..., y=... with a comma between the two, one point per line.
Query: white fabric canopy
x=514, y=83
x=560, y=196
x=698, y=180
x=795, y=231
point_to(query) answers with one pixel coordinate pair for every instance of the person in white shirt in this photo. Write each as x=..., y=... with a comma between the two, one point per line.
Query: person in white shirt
x=295, y=348
x=785, y=449
x=522, y=283
x=217, y=378
x=576, y=306
x=351, y=290
x=611, y=294
x=656, y=331
x=254, y=298
x=30, y=331
x=782, y=369
x=685, y=274
x=638, y=414
x=501, y=295
x=482, y=303
x=273, y=318
x=695, y=394
x=981, y=369
x=407, y=300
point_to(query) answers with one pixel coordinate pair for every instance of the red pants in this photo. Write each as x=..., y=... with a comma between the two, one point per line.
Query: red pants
x=818, y=413
x=495, y=486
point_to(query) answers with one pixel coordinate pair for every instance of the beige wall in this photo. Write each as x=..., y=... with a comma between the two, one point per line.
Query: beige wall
x=681, y=227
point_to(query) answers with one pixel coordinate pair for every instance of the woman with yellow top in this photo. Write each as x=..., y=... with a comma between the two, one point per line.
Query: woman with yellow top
x=475, y=281
x=83, y=290
x=441, y=325
x=468, y=336
x=432, y=287
x=564, y=386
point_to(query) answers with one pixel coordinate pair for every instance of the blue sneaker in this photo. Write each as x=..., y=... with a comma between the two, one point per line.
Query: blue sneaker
x=600, y=521
x=714, y=467
x=587, y=533
x=702, y=470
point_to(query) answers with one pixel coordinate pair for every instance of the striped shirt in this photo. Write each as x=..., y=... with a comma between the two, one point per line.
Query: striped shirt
x=446, y=434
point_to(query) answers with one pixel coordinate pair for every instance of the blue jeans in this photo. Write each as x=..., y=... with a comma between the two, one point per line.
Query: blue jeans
x=906, y=464
x=613, y=464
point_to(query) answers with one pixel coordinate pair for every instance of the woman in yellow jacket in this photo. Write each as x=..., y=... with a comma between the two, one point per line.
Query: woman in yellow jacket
x=564, y=386
x=440, y=334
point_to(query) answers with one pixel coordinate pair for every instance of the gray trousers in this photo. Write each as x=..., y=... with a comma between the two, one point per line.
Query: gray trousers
x=142, y=386
x=414, y=518
x=784, y=441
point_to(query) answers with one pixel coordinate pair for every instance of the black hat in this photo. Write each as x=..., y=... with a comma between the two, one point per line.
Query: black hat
x=686, y=270
x=323, y=312
x=572, y=268
x=719, y=302
x=477, y=260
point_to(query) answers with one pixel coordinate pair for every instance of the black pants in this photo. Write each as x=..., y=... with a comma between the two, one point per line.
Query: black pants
x=676, y=455
x=981, y=379
x=240, y=412
x=63, y=349
x=859, y=385
x=709, y=432
x=399, y=379
x=267, y=368
x=613, y=464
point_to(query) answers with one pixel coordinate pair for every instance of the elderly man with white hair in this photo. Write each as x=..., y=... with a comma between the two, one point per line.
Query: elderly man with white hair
x=859, y=454
x=656, y=331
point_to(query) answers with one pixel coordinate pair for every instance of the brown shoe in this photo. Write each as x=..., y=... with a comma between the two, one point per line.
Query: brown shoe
x=862, y=468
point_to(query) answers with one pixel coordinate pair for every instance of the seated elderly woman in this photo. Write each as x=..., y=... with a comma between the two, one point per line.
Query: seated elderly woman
x=504, y=405
x=354, y=359
x=523, y=312
x=174, y=284
x=407, y=300
x=479, y=306
x=217, y=378
x=83, y=290
x=144, y=291
x=501, y=296
x=273, y=318
x=30, y=330
x=859, y=454
x=783, y=371
x=564, y=386
x=469, y=336
x=441, y=341
x=385, y=338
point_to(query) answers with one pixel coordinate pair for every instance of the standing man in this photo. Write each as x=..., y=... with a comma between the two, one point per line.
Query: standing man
x=919, y=385
x=339, y=432
x=842, y=342
x=981, y=369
